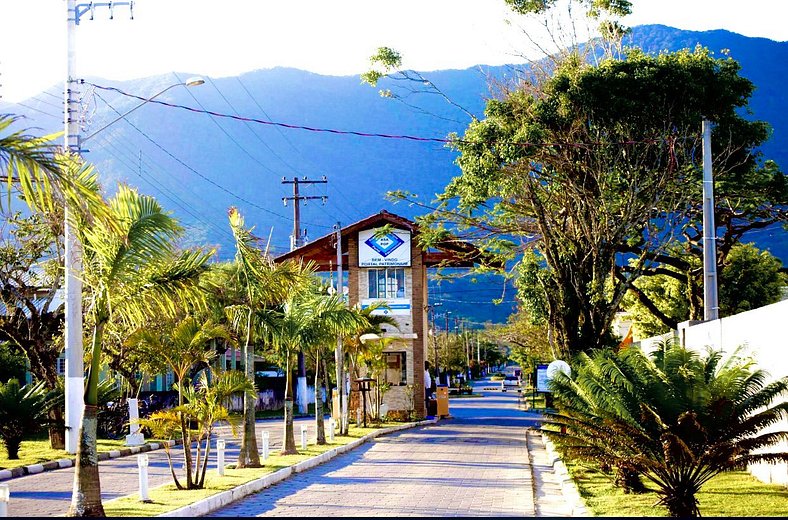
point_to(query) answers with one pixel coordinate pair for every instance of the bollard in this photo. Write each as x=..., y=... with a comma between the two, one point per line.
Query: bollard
x=358, y=418
x=220, y=457
x=303, y=436
x=265, y=444
x=142, y=465
x=332, y=425
x=5, y=497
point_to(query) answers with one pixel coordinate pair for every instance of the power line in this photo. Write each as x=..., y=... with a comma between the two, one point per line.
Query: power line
x=334, y=187
x=225, y=132
x=205, y=178
x=406, y=137
x=59, y=118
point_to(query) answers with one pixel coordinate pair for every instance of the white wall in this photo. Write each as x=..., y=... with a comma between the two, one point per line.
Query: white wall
x=764, y=333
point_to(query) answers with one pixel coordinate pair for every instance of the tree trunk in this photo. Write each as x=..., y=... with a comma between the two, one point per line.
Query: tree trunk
x=86, y=495
x=321, y=431
x=248, y=457
x=12, y=447
x=628, y=479
x=681, y=503
x=86, y=499
x=288, y=443
x=57, y=430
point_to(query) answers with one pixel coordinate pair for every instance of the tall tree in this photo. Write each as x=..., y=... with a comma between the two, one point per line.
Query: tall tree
x=263, y=285
x=595, y=161
x=31, y=268
x=133, y=271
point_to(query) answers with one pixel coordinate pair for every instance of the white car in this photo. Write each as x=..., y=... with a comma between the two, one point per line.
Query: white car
x=510, y=382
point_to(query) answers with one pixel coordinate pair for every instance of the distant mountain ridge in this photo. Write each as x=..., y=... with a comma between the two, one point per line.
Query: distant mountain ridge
x=199, y=166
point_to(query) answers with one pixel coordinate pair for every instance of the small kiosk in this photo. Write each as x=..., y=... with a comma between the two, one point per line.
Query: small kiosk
x=392, y=268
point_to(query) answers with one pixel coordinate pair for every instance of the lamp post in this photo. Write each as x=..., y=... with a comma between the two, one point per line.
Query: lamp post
x=364, y=386
x=75, y=370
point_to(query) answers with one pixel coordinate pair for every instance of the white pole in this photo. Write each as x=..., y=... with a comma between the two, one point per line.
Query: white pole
x=220, y=445
x=303, y=436
x=710, y=302
x=339, y=356
x=332, y=424
x=75, y=371
x=5, y=497
x=142, y=465
x=266, y=437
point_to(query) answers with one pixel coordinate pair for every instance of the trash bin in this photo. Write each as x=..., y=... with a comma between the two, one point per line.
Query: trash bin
x=442, y=398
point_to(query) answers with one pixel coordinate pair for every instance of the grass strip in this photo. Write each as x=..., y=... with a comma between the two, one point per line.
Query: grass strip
x=729, y=494
x=37, y=451
x=167, y=498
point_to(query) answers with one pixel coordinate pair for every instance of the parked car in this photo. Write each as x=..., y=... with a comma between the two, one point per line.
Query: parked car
x=510, y=382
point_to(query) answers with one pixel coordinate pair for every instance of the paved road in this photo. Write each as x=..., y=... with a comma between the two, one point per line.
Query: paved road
x=475, y=464
x=49, y=493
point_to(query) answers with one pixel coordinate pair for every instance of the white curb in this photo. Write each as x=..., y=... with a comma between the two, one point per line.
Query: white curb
x=64, y=463
x=568, y=486
x=35, y=468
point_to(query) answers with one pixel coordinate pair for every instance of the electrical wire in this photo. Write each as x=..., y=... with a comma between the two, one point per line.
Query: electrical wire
x=59, y=117
x=204, y=177
x=406, y=137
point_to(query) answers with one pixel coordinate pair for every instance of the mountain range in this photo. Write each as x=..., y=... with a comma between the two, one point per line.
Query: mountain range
x=291, y=123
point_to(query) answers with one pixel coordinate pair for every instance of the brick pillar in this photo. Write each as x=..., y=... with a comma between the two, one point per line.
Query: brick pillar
x=418, y=301
x=352, y=268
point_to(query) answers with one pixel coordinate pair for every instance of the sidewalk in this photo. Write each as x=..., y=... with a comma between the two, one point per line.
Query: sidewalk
x=49, y=493
x=482, y=462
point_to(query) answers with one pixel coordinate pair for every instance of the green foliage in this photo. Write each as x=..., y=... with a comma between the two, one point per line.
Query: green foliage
x=22, y=412
x=677, y=419
x=31, y=271
x=594, y=162
x=751, y=279
x=13, y=364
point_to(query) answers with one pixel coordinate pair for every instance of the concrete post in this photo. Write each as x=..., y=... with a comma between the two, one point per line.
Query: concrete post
x=303, y=436
x=5, y=497
x=265, y=440
x=142, y=465
x=332, y=425
x=220, y=445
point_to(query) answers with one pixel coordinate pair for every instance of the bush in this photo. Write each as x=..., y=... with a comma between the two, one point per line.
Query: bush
x=22, y=412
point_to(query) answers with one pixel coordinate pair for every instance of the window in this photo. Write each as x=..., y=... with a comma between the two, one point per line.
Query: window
x=61, y=366
x=386, y=283
x=396, y=373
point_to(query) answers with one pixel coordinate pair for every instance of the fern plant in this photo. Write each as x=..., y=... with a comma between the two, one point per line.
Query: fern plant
x=677, y=418
x=22, y=412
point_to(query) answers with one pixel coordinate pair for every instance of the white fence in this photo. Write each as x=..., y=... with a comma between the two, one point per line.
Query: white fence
x=764, y=334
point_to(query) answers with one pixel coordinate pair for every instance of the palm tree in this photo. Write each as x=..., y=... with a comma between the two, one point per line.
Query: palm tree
x=133, y=272
x=677, y=419
x=184, y=347
x=308, y=320
x=265, y=285
x=329, y=317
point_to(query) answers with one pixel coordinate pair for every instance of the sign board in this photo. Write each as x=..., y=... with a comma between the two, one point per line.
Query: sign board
x=391, y=250
x=541, y=378
x=396, y=306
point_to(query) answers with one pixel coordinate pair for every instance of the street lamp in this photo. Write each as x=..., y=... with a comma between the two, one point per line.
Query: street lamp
x=75, y=370
x=191, y=82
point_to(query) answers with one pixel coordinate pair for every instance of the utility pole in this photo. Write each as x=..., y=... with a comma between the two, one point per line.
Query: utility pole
x=75, y=370
x=297, y=241
x=339, y=355
x=710, y=302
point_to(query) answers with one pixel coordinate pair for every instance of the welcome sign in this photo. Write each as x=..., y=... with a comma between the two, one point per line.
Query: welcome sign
x=390, y=250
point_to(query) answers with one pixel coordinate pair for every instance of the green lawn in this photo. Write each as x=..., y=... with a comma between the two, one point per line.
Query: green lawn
x=464, y=396
x=37, y=451
x=730, y=494
x=167, y=498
